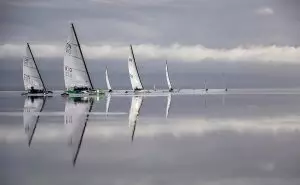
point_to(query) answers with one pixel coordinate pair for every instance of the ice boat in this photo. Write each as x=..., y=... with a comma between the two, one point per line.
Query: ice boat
x=134, y=76
x=76, y=76
x=33, y=82
x=107, y=81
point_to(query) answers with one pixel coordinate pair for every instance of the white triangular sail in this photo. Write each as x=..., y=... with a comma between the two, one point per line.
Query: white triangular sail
x=75, y=71
x=168, y=105
x=133, y=72
x=31, y=75
x=136, y=103
x=168, y=78
x=75, y=120
x=107, y=80
x=30, y=119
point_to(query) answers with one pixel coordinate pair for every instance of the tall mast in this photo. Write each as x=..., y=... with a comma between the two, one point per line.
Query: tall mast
x=36, y=67
x=82, y=56
x=135, y=65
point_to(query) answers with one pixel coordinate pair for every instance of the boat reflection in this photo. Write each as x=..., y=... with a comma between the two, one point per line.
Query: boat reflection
x=108, y=97
x=168, y=104
x=32, y=105
x=136, y=103
x=75, y=120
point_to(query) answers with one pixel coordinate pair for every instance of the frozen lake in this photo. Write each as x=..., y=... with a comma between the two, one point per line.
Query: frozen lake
x=228, y=138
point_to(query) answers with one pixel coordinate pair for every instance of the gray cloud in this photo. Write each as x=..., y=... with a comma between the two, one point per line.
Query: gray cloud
x=210, y=23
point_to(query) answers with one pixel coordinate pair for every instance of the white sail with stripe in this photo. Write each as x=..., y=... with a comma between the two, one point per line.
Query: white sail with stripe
x=168, y=78
x=136, y=103
x=31, y=74
x=75, y=70
x=30, y=120
x=107, y=80
x=135, y=80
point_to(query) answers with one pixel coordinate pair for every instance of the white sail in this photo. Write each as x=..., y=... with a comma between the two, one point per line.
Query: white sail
x=107, y=80
x=168, y=78
x=168, y=105
x=136, y=103
x=75, y=120
x=31, y=75
x=75, y=71
x=133, y=72
x=30, y=120
x=108, y=97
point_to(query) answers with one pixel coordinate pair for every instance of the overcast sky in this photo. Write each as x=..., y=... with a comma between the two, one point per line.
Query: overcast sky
x=190, y=30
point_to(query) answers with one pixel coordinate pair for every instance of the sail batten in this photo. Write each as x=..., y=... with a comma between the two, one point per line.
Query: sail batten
x=31, y=74
x=168, y=78
x=133, y=72
x=75, y=69
x=107, y=80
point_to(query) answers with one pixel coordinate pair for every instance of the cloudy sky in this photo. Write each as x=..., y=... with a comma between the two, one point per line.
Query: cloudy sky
x=190, y=30
x=195, y=36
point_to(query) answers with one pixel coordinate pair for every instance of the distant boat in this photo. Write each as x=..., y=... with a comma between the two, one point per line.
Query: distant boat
x=168, y=78
x=205, y=86
x=136, y=103
x=224, y=82
x=107, y=81
x=76, y=76
x=135, y=79
x=33, y=82
x=75, y=120
x=30, y=120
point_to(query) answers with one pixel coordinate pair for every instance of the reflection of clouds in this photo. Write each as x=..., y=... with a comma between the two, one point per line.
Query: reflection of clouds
x=157, y=127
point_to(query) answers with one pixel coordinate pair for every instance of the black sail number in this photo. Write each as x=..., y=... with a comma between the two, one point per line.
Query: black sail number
x=68, y=71
x=26, y=62
x=26, y=78
x=68, y=48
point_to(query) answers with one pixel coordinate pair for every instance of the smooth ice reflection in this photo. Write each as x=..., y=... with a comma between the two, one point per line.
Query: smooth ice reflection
x=219, y=139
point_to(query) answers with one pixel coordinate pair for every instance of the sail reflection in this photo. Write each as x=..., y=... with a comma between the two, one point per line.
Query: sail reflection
x=32, y=105
x=136, y=103
x=75, y=120
x=108, y=97
x=168, y=104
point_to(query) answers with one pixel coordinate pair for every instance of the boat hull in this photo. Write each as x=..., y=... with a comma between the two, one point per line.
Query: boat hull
x=50, y=93
x=71, y=93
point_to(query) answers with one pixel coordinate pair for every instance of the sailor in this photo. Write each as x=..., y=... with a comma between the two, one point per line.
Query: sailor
x=34, y=91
